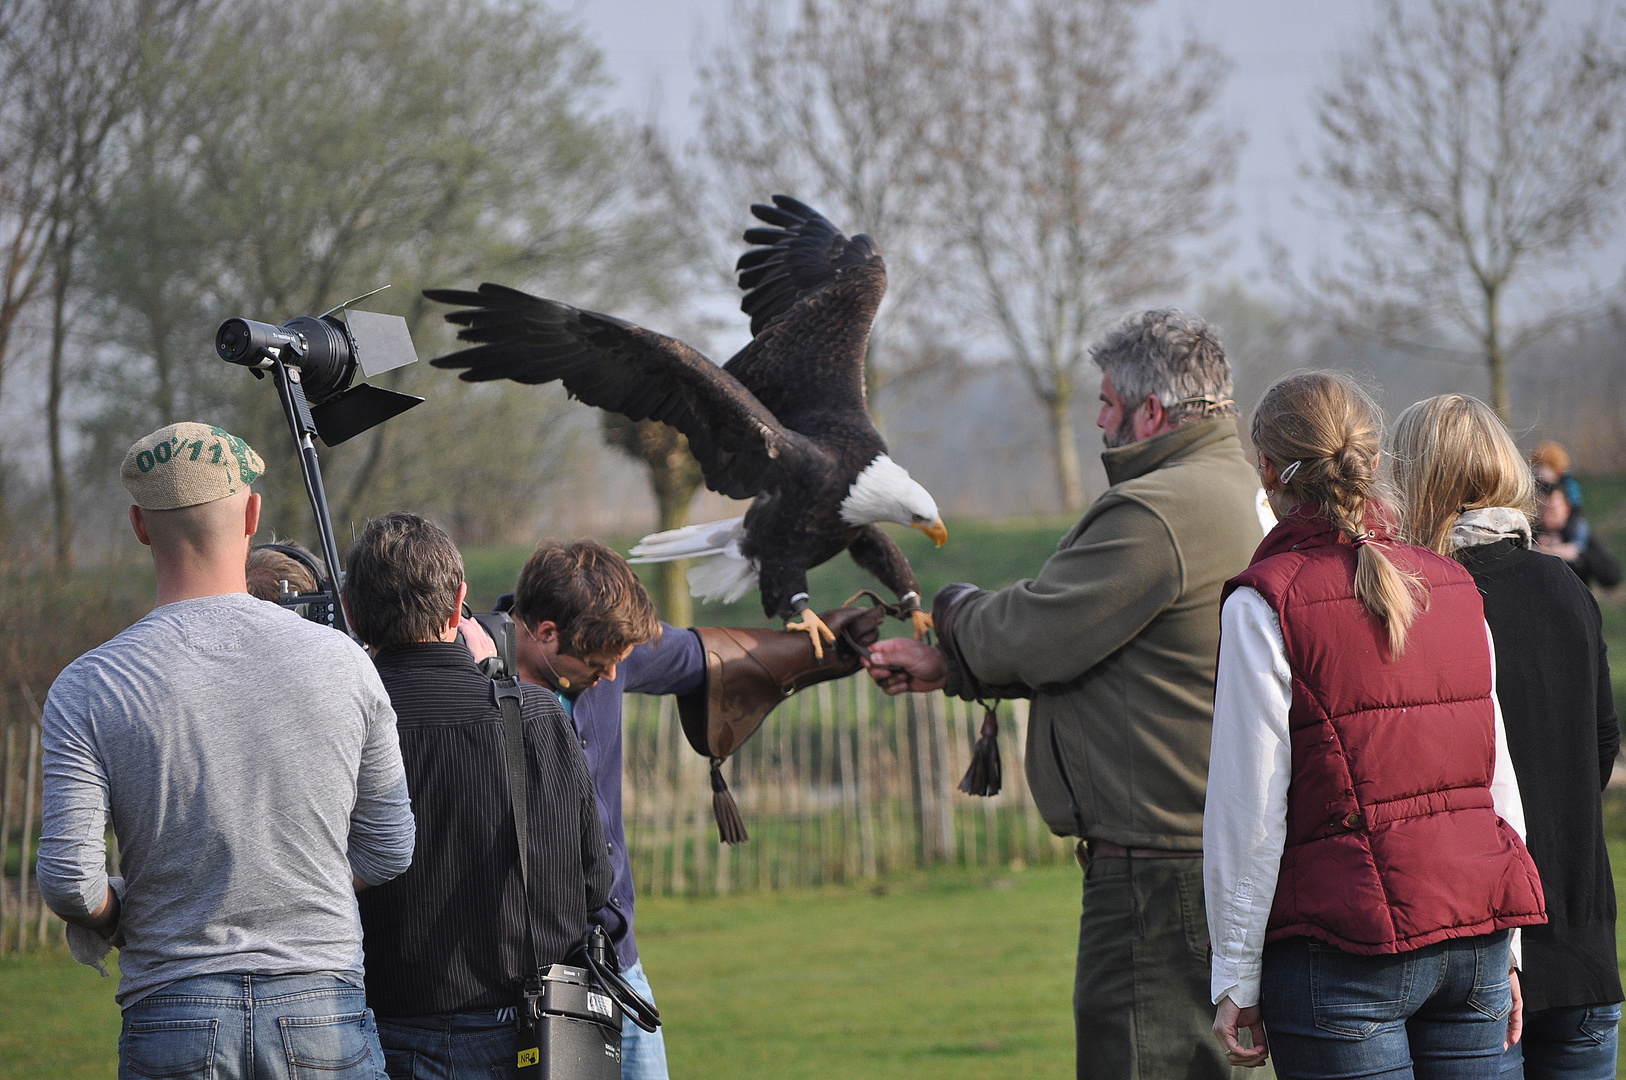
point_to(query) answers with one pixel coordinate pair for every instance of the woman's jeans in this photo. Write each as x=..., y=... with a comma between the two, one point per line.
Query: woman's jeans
x=1435, y=1012
x=1576, y=1043
x=251, y=1027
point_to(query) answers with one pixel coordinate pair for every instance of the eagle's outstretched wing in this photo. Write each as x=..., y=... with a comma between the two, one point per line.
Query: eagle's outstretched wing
x=811, y=294
x=799, y=255
x=614, y=365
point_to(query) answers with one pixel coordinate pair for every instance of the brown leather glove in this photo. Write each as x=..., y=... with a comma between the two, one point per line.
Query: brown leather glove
x=749, y=671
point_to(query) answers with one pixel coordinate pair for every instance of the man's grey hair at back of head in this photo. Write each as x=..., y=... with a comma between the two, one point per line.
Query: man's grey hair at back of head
x=1174, y=357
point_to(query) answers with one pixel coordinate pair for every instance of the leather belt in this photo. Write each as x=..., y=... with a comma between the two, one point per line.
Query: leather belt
x=1106, y=849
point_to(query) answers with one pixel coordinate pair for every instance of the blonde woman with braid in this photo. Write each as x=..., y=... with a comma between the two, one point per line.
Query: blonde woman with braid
x=1363, y=864
x=1469, y=495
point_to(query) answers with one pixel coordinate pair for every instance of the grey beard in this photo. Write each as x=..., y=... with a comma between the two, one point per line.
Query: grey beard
x=1122, y=436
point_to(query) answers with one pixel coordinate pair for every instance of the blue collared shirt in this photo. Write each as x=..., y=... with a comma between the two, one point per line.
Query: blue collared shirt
x=675, y=664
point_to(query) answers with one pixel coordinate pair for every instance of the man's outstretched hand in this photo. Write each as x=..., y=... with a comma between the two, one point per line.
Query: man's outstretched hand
x=904, y=664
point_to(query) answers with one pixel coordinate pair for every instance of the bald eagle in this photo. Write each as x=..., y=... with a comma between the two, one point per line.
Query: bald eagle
x=783, y=423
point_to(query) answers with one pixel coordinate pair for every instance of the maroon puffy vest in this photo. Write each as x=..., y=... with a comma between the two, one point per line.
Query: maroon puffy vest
x=1392, y=841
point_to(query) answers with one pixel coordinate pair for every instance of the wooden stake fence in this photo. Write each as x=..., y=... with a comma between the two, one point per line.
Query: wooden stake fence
x=25, y=922
x=840, y=784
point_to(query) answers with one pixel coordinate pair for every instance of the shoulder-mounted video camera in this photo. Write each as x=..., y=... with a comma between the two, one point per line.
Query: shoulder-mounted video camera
x=316, y=600
x=500, y=625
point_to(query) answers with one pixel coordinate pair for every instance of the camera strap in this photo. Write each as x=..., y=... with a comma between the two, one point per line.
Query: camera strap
x=528, y=1019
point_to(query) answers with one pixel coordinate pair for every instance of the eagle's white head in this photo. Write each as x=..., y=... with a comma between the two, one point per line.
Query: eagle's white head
x=885, y=491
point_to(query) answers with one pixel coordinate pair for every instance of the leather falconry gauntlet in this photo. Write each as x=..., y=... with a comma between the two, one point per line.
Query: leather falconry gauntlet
x=748, y=672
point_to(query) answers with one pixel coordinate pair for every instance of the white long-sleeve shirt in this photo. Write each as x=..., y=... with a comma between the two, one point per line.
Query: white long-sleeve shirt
x=1249, y=768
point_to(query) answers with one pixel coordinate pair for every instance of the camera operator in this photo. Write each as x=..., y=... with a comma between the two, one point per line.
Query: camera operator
x=247, y=759
x=269, y=565
x=451, y=942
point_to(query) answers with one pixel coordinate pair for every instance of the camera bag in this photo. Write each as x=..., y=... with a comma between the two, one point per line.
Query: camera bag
x=568, y=1024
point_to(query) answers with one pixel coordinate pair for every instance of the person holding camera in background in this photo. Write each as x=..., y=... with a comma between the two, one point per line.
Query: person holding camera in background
x=247, y=759
x=451, y=942
x=270, y=565
x=1561, y=529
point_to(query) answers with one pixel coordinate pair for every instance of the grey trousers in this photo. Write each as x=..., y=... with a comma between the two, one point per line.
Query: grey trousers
x=1140, y=996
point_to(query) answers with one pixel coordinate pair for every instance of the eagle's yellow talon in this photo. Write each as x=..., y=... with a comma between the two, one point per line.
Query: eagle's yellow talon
x=923, y=623
x=815, y=629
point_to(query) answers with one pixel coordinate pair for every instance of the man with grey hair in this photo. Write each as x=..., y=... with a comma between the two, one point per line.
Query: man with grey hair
x=1115, y=643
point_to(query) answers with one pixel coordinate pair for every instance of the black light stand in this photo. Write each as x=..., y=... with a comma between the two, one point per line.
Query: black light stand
x=298, y=412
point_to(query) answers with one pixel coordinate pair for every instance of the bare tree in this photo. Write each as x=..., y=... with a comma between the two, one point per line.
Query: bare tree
x=832, y=107
x=307, y=152
x=1262, y=342
x=1469, y=145
x=1072, y=169
x=674, y=477
x=24, y=227
x=23, y=184
x=73, y=66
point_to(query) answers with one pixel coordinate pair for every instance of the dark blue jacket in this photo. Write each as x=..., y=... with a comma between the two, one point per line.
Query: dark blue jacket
x=675, y=664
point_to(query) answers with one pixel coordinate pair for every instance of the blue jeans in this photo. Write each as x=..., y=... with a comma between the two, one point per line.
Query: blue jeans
x=1576, y=1043
x=1436, y=1012
x=643, y=1053
x=454, y=1046
x=251, y=1027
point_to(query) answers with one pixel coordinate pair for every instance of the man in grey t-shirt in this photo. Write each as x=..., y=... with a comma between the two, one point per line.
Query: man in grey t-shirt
x=248, y=761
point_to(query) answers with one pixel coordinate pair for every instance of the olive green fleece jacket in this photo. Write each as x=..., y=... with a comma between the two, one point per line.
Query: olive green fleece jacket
x=1117, y=638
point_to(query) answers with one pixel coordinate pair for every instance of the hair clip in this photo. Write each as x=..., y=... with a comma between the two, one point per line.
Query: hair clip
x=1361, y=538
x=1291, y=471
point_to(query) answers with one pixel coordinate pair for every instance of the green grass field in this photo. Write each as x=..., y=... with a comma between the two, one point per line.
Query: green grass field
x=951, y=974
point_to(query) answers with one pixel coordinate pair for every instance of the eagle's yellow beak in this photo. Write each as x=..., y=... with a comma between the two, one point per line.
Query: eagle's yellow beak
x=936, y=530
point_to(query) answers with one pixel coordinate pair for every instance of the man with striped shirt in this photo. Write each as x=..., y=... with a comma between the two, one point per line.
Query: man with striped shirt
x=447, y=943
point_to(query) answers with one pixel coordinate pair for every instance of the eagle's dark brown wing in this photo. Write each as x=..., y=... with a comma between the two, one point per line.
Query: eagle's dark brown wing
x=812, y=294
x=612, y=364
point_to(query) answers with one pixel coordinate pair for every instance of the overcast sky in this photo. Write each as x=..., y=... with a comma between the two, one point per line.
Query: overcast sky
x=1281, y=51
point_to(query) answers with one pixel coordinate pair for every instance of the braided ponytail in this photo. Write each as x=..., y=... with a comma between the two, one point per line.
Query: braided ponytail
x=1327, y=424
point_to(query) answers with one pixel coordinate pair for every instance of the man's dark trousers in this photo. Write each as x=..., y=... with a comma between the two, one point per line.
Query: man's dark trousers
x=1140, y=995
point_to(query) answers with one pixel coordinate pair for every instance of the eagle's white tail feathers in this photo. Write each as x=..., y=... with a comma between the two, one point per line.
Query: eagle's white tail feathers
x=722, y=578
x=689, y=542
x=721, y=573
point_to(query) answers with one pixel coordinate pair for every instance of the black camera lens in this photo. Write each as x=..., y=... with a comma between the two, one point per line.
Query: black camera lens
x=246, y=342
x=233, y=339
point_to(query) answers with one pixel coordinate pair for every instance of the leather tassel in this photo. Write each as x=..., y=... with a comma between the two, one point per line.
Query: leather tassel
x=983, y=777
x=730, y=826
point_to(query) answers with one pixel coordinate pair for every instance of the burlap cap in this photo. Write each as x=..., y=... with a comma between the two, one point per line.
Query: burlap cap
x=188, y=464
